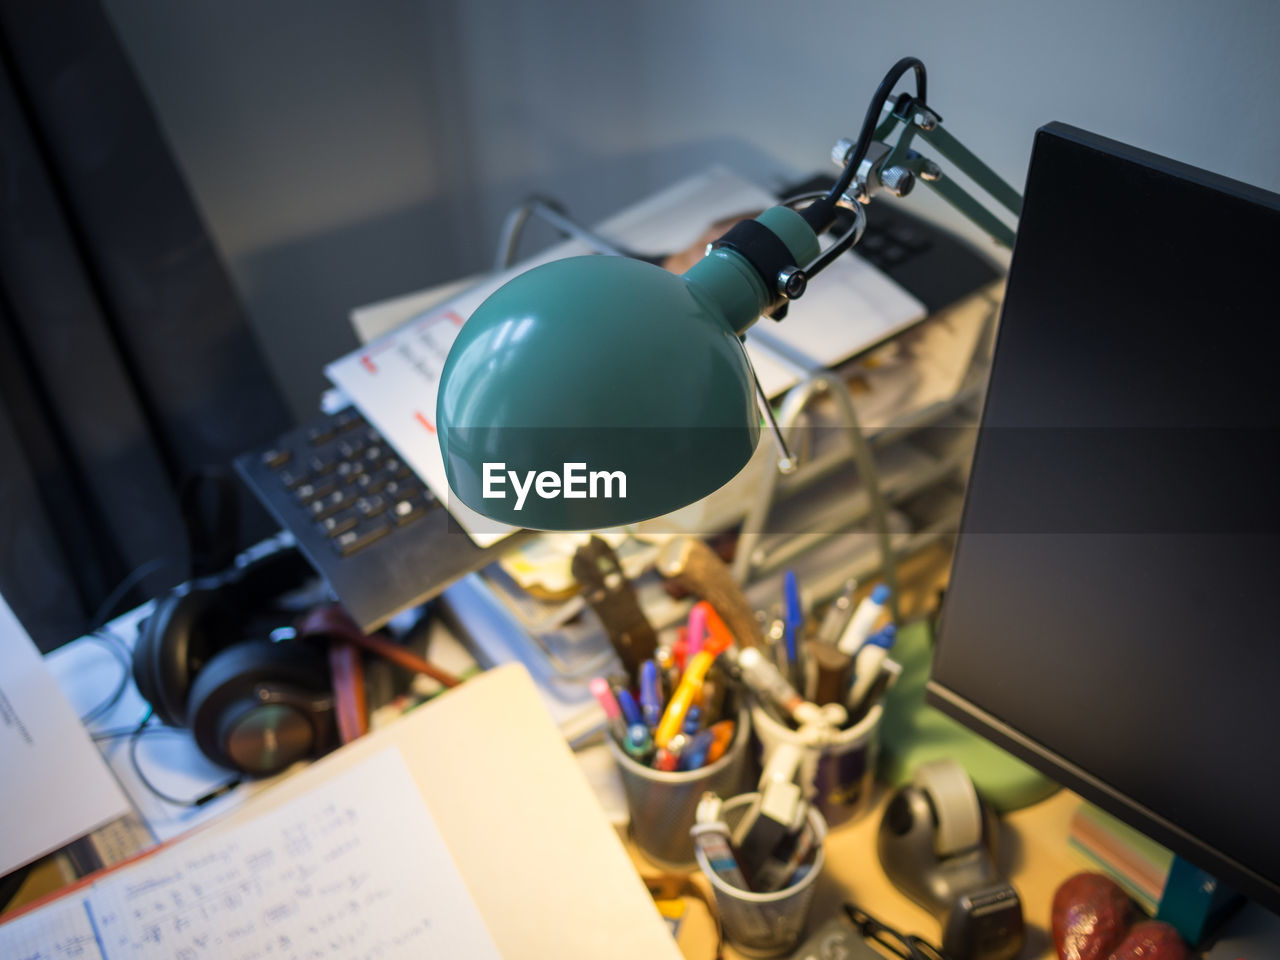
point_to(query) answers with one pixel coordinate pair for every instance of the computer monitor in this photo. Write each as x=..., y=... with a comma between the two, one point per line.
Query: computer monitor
x=1112, y=612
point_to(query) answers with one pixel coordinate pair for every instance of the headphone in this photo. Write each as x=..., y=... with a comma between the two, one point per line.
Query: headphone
x=937, y=844
x=205, y=660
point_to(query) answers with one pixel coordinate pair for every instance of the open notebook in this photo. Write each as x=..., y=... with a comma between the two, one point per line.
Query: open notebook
x=463, y=830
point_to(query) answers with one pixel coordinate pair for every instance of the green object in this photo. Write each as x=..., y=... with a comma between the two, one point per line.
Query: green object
x=1194, y=902
x=912, y=733
x=613, y=390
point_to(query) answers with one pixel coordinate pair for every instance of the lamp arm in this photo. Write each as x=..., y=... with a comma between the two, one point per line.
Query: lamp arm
x=895, y=167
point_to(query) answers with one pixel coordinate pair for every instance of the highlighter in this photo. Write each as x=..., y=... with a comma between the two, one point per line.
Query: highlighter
x=600, y=690
x=683, y=698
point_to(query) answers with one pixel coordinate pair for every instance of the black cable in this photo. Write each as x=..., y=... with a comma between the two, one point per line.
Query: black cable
x=135, y=735
x=109, y=605
x=112, y=643
x=872, y=119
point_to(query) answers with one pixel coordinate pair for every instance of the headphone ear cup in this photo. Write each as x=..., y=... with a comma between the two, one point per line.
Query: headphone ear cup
x=258, y=706
x=170, y=648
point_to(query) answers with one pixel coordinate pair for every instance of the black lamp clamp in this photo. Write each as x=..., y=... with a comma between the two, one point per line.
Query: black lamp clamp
x=771, y=259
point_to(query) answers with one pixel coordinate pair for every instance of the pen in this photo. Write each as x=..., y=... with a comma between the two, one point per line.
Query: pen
x=721, y=737
x=693, y=719
x=866, y=665
x=827, y=672
x=794, y=623
x=864, y=618
x=837, y=616
x=638, y=743
x=695, y=755
x=682, y=699
x=628, y=704
x=711, y=835
x=600, y=690
x=650, y=694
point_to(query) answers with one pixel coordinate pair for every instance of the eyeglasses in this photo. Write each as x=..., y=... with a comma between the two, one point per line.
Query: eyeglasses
x=907, y=946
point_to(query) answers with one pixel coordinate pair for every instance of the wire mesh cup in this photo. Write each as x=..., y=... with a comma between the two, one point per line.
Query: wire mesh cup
x=765, y=924
x=663, y=805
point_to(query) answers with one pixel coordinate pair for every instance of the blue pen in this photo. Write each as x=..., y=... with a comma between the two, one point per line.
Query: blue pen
x=695, y=754
x=692, y=720
x=650, y=694
x=628, y=704
x=794, y=620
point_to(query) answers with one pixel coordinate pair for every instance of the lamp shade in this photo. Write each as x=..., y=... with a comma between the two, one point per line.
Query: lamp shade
x=598, y=391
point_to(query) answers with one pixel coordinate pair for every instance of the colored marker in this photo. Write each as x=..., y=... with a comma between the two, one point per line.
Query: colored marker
x=604, y=696
x=650, y=694
x=864, y=618
x=638, y=743
x=683, y=698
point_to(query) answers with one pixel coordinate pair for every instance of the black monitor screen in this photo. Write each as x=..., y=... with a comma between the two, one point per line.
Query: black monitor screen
x=1112, y=615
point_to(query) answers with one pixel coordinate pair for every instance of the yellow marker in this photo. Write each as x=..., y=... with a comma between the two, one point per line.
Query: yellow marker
x=690, y=686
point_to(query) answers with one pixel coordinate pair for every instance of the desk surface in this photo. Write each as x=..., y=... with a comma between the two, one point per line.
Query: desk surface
x=1034, y=854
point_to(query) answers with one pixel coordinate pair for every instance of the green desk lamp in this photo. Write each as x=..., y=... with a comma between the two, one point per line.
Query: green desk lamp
x=601, y=391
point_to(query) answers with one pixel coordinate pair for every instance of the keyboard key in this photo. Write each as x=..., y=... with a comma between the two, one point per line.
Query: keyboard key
x=292, y=477
x=406, y=511
x=401, y=489
x=339, y=523
x=347, y=419
x=317, y=488
x=350, y=447
x=397, y=469
x=322, y=463
x=368, y=483
x=322, y=433
x=361, y=536
x=328, y=506
x=348, y=470
x=276, y=457
x=372, y=505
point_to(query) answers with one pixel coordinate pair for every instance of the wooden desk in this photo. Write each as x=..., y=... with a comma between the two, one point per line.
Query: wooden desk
x=1034, y=854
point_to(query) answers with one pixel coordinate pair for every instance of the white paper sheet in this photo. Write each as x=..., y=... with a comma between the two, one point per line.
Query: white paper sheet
x=357, y=869
x=55, y=786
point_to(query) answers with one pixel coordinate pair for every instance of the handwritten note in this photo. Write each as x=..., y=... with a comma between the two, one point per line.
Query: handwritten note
x=356, y=870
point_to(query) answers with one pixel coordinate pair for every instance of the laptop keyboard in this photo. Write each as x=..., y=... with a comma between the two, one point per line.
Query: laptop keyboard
x=361, y=516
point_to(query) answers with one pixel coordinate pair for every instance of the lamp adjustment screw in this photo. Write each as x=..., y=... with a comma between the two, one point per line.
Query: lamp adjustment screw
x=840, y=152
x=792, y=282
x=926, y=119
x=897, y=180
x=930, y=172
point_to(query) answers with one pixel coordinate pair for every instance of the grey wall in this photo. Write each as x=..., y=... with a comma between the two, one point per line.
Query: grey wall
x=345, y=152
